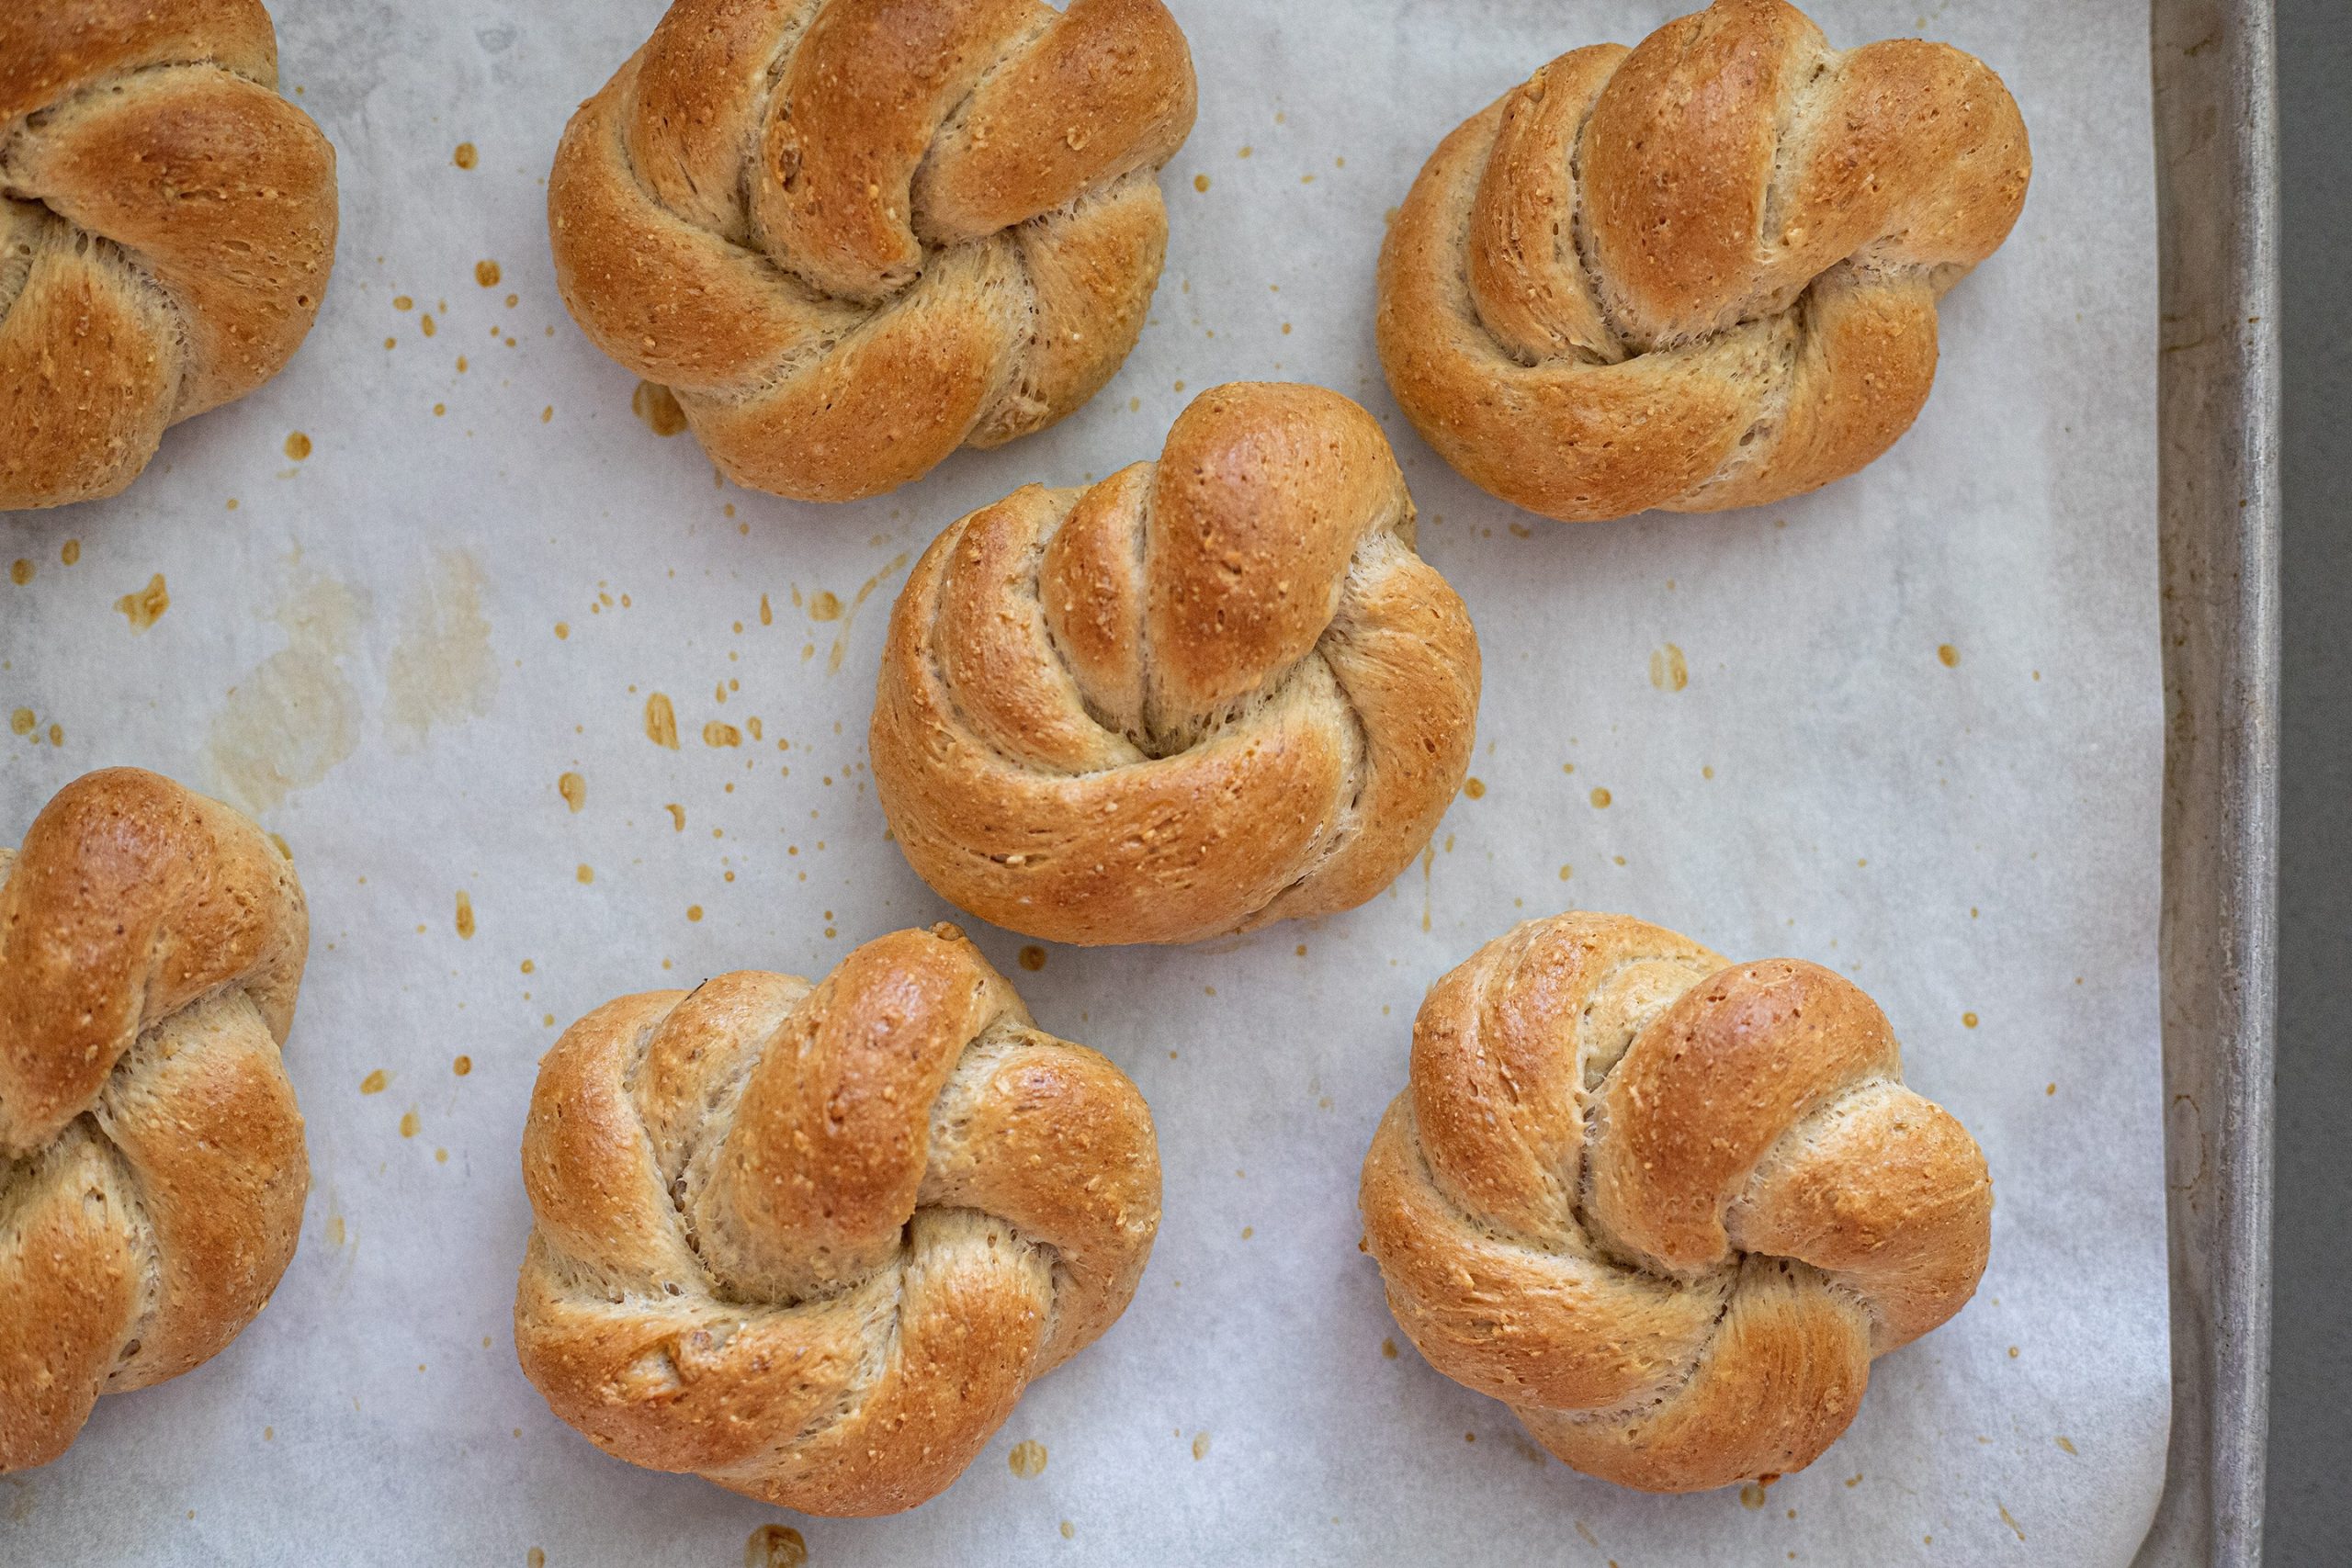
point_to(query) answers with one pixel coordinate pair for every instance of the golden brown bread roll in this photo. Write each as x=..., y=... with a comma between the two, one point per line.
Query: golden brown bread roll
x=1700, y=274
x=167, y=222
x=1211, y=692
x=810, y=1243
x=151, y=1166
x=1665, y=1207
x=854, y=235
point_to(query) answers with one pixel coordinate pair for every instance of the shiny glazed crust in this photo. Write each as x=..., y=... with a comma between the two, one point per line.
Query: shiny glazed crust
x=152, y=1166
x=854, y=235
x=1667, y=1208
x=1700, y=273
x=167, y=224
x=811, y=1243
x=1209, y=693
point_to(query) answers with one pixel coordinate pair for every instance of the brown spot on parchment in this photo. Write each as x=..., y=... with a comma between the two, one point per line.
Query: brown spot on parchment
x=1474, y=788
x=772, y=1546
x=20, y=572
x=1601, y=798
x=1027, y=1458
x=653, y=403
x=71, y=553
x=290, y=719
x=486, y=274
x=465, y=915
x=23, y=720
x=462, y=1065
x=1200, y=1445
x=1949, y=654
x=574, y=790
x=677, y=816
x=1669, y=672
x=465, y=156
x=146, y=606
x=818, y=608
x=661, y=721
x=717, y=734
x=374, y=1082
x=1033, y=959
x=441, y=670
x=408, y=1123
x=298, y=445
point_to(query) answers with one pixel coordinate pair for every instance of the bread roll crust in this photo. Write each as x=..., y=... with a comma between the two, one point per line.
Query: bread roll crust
x=167, y=235
x=152, y=1162
x=854, y=235
x=1667, y=1207
x=1209, y=693
x=1699, y=274
x=811, y=1242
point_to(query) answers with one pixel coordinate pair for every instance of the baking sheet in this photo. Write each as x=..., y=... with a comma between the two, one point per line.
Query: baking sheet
x=1917, y=737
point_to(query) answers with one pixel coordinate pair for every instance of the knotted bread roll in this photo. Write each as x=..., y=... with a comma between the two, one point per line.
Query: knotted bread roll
x=810, y=1243
x=151, y=1166
x=1664, y=1207
x=167, y=222
x=1211, y=692
x=1699, y=275
x=854, y=235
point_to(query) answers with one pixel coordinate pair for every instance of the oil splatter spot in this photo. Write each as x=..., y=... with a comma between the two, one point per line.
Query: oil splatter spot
x=1200, y=182
x=717, y=734
x=1200, y=1445
x=486, y=274
x=1474, y=788
x=374, y=1082
x=658, y=407
x=694, y=911
x=825, y=606
x=462, y=1065
x=1968, y=1020
x=1027, y=1458
x=1751, y=1495
x=677, y=816
x=442, y=670
x=146, y=606
x=408, y=1123
x=298, y=445
x=661, y=721
x=1033, y=959
x=23, y=720
x=1068, y=1530
x=767, y=614
x=535, y=1558
x=2065, y=1445
x=290, y=719
x=574, y=790
x=1949, y=655
x=1669, y=672
x=20, y=572
x=1388, y=1348
x=465, y=157
x=336, y=1230
x=1601, y=798
x=2012, y=1524
x=72, y=552
x=586, y=873
x=465, y=915
x=772, y=1546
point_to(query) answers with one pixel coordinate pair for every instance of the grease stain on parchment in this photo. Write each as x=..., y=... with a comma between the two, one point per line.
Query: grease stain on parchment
x=145, y=606
x=291, y=718
x=442, y=670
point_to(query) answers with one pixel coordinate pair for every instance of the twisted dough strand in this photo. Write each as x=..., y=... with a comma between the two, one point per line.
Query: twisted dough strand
x=812, y=1241
x=151, y=946
x=1699, y=274
x=1208, y=693
x=853, y=235
x=1667, y=1208
x=167, y=224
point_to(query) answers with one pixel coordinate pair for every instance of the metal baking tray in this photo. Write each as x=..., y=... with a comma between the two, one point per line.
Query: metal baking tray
x=2217, y=195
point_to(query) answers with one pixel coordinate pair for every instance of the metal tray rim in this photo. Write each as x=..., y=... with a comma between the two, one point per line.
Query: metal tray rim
x=2216, y=140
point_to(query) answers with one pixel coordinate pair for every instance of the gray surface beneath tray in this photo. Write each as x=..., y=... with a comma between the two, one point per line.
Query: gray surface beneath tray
x=2310, y=1402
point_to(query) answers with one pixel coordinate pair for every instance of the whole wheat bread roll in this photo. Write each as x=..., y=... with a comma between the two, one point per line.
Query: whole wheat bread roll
x=854, y=235
x=1699, y=274
x=167, y=224
x=1211, y=692
x=1667, y=1207
x=811, y=1242
x=152, y=1166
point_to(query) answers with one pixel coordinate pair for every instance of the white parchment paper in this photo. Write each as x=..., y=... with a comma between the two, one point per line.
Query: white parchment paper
x=1919, y=741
